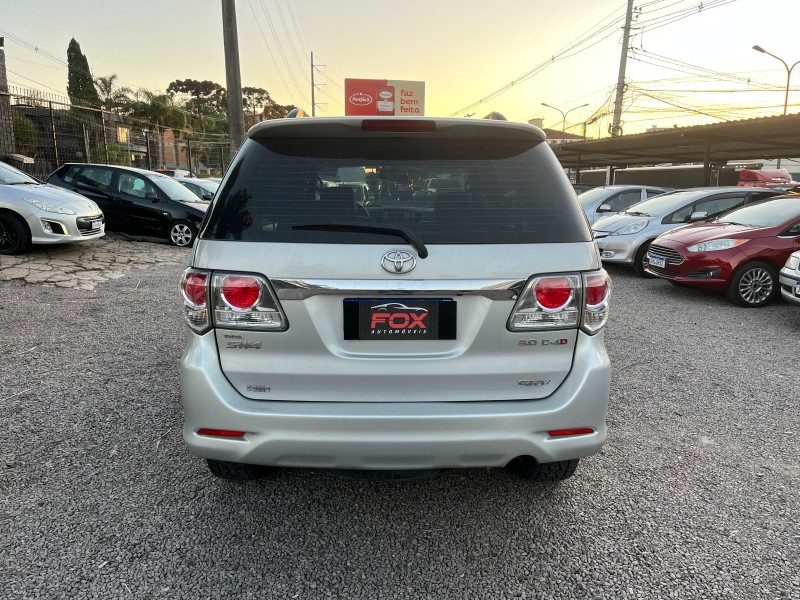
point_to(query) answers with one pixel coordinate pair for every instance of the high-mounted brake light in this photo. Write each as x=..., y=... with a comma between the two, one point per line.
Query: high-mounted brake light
x=398, y=125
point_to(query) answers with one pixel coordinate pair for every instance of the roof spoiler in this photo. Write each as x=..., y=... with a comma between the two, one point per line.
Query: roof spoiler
x=297, y=113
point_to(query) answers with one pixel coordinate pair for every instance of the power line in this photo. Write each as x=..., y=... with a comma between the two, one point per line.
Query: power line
x=565, y=52
x=281, y=51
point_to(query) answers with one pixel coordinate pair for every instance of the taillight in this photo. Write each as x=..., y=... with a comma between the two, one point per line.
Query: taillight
x=240, y=292
x=547, y=302
x=244, y=301
x=560, y=301
x=553, y=293
x=598, y=294
x=194, y=288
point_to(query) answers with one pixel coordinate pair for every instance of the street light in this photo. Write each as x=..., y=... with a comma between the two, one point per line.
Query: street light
x=758, y=48
x=564, y=114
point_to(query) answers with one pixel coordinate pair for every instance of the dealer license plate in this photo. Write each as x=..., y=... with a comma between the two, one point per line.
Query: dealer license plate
x=399, y=319
x=96, y=224
x=657, y=261
x=797, y=289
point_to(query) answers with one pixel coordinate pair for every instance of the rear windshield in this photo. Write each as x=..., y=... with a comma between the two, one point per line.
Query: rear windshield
x=499, y=192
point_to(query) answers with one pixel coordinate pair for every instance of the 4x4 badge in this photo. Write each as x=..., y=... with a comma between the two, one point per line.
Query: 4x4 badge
x=398, y=261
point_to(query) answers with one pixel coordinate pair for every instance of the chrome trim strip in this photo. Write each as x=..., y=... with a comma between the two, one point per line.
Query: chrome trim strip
x=494, y=289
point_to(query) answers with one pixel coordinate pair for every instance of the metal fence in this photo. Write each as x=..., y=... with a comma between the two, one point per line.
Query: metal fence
x=52, y=131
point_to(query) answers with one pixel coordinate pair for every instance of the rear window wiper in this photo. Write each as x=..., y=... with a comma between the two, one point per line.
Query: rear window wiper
x=397, y=230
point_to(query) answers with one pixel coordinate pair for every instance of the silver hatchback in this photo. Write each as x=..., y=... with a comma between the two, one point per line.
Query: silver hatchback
x=392, y=337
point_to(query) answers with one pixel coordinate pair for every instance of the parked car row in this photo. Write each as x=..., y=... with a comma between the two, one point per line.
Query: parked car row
x=82, y=201
x=732, y=239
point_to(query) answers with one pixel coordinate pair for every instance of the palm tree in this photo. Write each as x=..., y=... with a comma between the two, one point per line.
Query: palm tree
x=111, y=96
x=159, y=109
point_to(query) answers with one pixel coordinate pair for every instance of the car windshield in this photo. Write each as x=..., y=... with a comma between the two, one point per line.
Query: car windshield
x=173, y=189
x=768, y=213
x=662, y=204
x=11, y=176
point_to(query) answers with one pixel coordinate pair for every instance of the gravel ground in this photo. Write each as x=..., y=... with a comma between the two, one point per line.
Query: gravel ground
x=694, y=496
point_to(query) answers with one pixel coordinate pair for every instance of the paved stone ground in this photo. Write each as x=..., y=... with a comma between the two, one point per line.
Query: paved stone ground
x=85, y=264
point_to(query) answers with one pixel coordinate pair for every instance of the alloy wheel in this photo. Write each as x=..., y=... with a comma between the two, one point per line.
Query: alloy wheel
x=181, y=234
x=755, y=285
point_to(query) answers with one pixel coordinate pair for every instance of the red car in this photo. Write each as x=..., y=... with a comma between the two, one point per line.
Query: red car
x=739, y=252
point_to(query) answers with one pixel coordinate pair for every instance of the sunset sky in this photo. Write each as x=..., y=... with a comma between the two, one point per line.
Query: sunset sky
x=689, y=66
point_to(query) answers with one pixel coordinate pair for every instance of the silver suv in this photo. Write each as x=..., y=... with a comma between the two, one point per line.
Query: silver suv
x=395, y=339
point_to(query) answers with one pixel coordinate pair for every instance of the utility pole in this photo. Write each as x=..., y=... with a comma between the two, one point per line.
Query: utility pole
x=615, y=128
x=313, y=102
x=233, y=74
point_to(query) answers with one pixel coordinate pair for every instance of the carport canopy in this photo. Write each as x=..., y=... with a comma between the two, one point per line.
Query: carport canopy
x=717, y=144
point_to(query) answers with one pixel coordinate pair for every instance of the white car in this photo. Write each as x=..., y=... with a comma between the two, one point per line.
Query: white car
x=32, y=212
x=789, y=278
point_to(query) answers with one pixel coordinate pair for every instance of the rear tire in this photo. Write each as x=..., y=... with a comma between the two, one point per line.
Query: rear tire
x=753, y=285
x=182, y=234
x=231, y=471
x=640, y=260
x=526, y=467
x=15, y=238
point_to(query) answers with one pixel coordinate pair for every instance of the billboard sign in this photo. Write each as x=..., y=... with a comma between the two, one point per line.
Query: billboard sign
x=384, y=97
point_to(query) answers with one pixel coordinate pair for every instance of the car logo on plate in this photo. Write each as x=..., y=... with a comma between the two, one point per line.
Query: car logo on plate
x=398, y=262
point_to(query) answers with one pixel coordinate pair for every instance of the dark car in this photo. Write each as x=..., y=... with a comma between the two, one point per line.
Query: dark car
x=740, y=251
x=137, y=201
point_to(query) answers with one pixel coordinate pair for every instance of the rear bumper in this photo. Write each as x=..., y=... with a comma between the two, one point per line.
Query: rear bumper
x=380, y=435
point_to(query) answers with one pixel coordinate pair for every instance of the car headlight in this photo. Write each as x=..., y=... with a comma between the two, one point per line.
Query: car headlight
x=51, y=208
x=792, y=262
x=635, y=227
x=715, y=245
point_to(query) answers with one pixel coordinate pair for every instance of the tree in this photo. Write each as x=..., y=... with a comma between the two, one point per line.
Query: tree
x=207, y=98
x=80, y=84
x=257, y=101
x=112, y=96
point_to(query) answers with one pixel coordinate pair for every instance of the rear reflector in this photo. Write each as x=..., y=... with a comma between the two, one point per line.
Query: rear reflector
x=398, y=125
x=575, y=431
x=221, y=433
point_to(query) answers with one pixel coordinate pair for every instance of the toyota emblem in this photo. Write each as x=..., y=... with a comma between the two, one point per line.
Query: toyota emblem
x=398, y=262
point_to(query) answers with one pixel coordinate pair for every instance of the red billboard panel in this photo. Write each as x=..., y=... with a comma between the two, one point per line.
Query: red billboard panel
x=384, y=97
